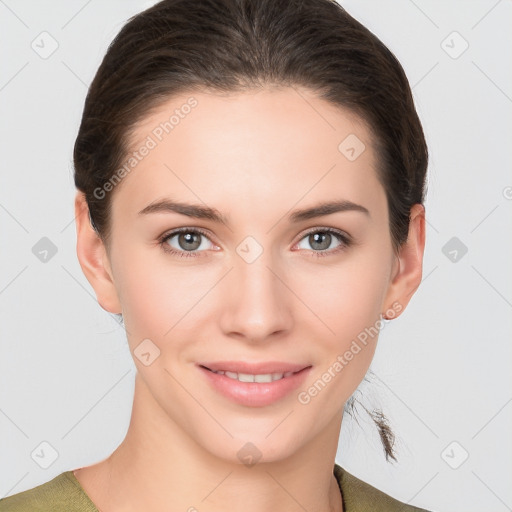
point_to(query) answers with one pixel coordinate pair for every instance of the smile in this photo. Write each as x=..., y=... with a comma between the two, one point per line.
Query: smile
x=255, y=389
x=249, y=377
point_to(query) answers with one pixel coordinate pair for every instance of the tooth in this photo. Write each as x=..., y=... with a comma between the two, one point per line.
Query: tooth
x=267, y=377
x=248, y=377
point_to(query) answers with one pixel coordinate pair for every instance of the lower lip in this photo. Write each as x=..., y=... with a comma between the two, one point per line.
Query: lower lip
x=255, y=394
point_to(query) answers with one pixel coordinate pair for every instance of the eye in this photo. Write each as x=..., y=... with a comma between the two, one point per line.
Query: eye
x=321, y=240
x=184, y=242
x=187, y=242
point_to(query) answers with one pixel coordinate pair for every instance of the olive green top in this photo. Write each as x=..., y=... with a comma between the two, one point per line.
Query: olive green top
x=65, y=494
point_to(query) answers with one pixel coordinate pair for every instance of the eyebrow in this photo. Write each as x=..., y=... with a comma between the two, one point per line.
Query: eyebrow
x=205, y=212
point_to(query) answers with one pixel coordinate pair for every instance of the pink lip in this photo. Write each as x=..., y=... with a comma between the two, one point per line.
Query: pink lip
x=256, y=394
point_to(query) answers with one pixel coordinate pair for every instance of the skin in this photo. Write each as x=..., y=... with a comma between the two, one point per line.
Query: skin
x=256, y=157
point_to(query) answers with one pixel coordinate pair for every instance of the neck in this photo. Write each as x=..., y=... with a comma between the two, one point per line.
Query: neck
x=160, y=467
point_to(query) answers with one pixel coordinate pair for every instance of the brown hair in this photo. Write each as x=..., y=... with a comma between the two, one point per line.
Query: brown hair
x=228, y=46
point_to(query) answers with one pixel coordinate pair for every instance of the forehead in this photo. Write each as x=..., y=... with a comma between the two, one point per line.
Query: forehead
x=285, y=145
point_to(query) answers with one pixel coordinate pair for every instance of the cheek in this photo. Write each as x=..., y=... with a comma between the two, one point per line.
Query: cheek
x=346, y=330
x=347, y=300
x=347, y=296
x=159, y=298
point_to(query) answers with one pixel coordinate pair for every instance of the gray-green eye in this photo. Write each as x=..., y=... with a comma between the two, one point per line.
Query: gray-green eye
x=186, y=242
x=324, y=240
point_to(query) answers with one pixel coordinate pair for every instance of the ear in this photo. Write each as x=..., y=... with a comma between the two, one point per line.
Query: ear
x=408, y=267
x=93, y=258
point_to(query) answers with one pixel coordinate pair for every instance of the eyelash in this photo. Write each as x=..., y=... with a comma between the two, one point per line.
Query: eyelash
x=345, y=240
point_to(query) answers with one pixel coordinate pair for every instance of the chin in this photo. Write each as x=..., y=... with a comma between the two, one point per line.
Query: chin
x=255, y=446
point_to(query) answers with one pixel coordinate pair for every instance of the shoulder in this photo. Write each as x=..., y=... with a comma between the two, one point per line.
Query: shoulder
x=62, y=494
x=359, y=496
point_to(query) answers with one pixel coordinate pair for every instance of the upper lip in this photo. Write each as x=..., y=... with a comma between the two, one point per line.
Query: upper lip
x=253, y=368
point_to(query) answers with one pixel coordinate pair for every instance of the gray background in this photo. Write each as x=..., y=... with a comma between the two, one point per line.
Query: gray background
x=442, y=369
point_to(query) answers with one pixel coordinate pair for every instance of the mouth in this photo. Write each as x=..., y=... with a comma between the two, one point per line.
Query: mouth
x=253, y=377
x=254, y=384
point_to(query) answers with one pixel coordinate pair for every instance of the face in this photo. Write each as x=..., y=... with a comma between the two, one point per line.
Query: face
x=272, y=281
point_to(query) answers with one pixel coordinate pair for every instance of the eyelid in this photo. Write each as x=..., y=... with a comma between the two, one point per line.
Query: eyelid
x=186, y=229
x=162, y=239
x=345, y=239
x=326, y=229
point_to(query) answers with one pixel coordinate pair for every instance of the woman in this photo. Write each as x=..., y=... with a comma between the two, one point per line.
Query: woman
x=250, y=179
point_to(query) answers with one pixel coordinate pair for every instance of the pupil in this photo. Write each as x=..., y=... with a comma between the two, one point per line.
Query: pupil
x=190, y=240
x=325, y=237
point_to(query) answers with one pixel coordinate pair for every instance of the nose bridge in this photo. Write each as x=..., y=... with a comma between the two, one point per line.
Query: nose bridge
x=257, y=303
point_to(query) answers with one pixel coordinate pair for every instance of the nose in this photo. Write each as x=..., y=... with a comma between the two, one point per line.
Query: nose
x=256, y=305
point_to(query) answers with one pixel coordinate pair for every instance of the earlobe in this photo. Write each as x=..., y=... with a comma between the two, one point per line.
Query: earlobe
x=93, y=258
x=408, y=269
